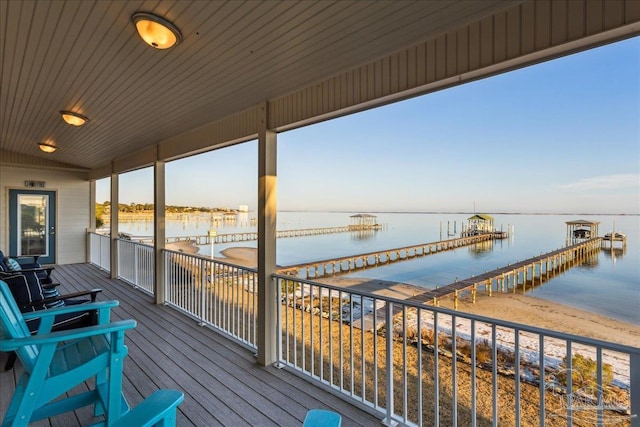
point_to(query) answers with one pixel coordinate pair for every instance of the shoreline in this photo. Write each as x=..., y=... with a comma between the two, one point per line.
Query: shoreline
x=241, y=255
x=512, y=307
x=517, y=308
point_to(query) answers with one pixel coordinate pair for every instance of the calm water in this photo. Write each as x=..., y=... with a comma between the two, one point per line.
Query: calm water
x=610, y=287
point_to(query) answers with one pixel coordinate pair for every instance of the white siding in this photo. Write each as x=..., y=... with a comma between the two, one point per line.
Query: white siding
x=72, y=214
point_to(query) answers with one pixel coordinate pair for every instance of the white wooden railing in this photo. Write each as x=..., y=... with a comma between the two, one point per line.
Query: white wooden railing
x=100, y=250
x=136, y=264
x=218, y=294
x=376, y=351
x=414, y=364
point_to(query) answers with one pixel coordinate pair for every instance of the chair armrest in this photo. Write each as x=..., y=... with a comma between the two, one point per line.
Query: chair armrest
x=35, y=258
x=92, y=292
x=35, y=270
x=102, y=305
x=159, y=406
x=68, y=335
x=48, y=317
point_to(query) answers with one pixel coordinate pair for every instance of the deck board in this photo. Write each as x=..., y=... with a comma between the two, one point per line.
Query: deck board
x=222, y=382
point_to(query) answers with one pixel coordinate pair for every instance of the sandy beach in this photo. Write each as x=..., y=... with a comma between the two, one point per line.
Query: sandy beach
x=546, y=314
x=524, y=309
x=186, y=246
x=518, y=308
x=244, y=256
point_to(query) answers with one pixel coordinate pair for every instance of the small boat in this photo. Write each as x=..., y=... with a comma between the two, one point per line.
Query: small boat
x=615, y=236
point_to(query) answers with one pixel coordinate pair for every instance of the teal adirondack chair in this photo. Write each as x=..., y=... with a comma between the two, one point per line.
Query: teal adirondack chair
x=56, y=362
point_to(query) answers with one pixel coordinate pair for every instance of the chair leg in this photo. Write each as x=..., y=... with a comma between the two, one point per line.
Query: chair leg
x=11, y=360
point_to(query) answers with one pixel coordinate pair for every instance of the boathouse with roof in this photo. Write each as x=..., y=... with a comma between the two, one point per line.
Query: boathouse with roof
x=479, y=224
x=581, y=229
x=363, y=222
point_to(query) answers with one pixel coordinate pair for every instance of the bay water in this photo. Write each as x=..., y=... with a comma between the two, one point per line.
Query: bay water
x=609, y=286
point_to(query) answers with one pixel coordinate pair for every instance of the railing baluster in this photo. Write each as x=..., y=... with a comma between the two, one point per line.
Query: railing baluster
x=474, y=413
x=569, y=388
x=279, y=330
x=311, y=331
x=203, y=294
x=516, y=362
x=330, y=361
x=289, y=308
x=341, y=349
x=389, y=362
x=494, y=374
x=351, y=367
x=375, y=353
x=363, y=388
x=542, y=387
x=634, y=388
x=321, y=333
x=405, y=389
x=436, y=371
x=454, y=372
x=302, y=334
x=600, y=388
x=419, y=379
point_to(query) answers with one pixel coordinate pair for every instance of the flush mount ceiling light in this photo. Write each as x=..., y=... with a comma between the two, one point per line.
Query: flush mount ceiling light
x=157, y=32
x=74, y=119
x=47, y=147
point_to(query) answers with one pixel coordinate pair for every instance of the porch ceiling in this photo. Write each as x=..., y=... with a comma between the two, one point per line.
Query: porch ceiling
x=85, y=56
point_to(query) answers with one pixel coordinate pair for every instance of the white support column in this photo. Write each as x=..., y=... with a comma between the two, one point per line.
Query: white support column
x=267, y=221
x=92, y=219
x=159, y=229
x=114, y=225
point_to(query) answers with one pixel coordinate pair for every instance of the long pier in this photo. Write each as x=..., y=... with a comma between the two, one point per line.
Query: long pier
x=253, y=235
x=523, y=273
x=348, y=264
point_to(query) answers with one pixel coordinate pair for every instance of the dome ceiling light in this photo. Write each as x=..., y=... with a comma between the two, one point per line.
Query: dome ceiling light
x=47, y=147
x=156, y=31
x=74, y=119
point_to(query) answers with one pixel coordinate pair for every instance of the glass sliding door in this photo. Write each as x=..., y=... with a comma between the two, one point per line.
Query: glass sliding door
x=32, y=224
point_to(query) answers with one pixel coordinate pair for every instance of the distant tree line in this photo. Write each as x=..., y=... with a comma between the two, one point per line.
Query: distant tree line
x=105, y=207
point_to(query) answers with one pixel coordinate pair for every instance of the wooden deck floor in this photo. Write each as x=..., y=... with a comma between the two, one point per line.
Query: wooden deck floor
x=222, y=383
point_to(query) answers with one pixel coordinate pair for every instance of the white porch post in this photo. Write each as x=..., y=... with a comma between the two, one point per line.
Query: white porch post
x=267, y=221
x=114, y=225
x=159, y=229
x=92, y=218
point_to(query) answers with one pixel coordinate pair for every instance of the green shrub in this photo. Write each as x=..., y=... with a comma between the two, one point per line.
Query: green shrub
x=584, y=372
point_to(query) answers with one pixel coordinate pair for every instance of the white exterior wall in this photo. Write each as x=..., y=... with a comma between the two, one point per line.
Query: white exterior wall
x=72, y=207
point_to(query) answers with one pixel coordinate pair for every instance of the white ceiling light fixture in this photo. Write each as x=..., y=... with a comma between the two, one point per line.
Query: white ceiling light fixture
x=156, y=31
x=74, y=119
x=47, y=147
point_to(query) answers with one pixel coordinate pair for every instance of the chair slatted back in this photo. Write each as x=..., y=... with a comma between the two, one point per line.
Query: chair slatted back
x=12, y=325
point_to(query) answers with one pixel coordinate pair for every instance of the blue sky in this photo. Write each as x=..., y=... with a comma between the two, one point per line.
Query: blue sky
x=562, y=136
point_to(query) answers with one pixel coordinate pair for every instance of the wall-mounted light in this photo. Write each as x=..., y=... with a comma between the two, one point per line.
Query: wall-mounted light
x=74, y=119
x=156, y=31
x=47, y=147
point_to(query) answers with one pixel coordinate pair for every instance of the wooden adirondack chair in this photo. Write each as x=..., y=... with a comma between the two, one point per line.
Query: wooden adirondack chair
x=56, y=362
x=322, y=418
x=159, y=410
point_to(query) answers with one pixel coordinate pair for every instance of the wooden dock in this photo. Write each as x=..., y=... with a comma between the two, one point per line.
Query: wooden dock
x=253, y=235
x=530, y=272
x=349, y=264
